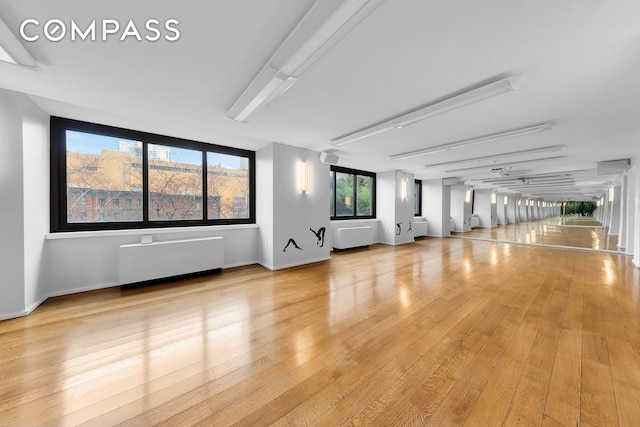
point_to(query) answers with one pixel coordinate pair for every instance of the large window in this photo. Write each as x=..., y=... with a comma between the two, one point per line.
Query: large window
x=352, y=193
x=109, y=178
x=417, y=198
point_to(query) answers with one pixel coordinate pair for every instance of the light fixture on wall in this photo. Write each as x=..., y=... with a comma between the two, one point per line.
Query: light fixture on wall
x=461, y=99
x=467, y=196
x=611, y=193
x=12, y=51
x=305, y=177
x=481, y=140
x=506, y=199
x=519, y=202
x=405, y=189
x=319, y=30
x=494, y=198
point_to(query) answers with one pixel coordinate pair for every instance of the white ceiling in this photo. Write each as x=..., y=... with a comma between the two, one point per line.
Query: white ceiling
x=580, y=58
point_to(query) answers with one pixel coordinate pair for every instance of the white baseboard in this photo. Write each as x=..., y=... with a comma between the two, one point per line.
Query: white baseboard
x=87, y=289
x=296, y=264
x=636, y=263
x=35, y=305
x=240, y=264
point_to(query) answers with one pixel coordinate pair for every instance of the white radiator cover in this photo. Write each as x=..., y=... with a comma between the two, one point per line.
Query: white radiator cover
x=420, y=227
x=351, y=237
x=151, y=261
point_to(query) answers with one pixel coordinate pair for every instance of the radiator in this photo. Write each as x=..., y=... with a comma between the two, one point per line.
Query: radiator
x=351, y=237
x=145, y=262
x=420, y=227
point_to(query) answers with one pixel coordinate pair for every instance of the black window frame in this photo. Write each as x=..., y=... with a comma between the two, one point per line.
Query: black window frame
x=356, y=173
x=58, y=194
x=419, y=201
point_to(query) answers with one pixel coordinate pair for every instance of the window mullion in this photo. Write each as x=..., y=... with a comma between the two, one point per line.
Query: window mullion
x=145, y=182
x=205, y=187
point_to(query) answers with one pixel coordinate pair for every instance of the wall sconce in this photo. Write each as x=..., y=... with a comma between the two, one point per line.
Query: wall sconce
x=467, y=196
x=305, y=177
x=494, y=198
x=405, y=189
x=506, y=199
x=611, y=193
x=519, y=202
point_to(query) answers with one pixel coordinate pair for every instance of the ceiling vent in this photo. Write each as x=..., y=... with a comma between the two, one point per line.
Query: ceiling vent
x=613, y=167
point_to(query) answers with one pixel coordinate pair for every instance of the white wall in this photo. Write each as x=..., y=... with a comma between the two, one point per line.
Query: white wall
x=436, y=206
x=501, y=208
x=296, y=215
x=77, y=262
x=460, y=207
x=631, y=209
x=12, y=296
x=513, y=216
x=614, y=215
x=395, y=214
x=482, y=206
x=35, y=148
x=622, y=229
x=264, y=203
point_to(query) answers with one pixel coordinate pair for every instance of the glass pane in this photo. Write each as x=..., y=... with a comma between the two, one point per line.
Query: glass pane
x=364, y=196
x=416, y=198
x=332, y=191
x=344, y=194
x=175, y=183
x=104, y=178
x=228, y=192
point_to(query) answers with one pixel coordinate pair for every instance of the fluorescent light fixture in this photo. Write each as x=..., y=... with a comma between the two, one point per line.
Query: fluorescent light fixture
x=441, y=106
x=546, y=159
x=305, y=177
x=319, y=30
x=12, y=50
x=498, y=156
x=478, y=140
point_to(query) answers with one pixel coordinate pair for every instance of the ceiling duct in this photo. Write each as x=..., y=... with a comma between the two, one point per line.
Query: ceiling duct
x=613, y=167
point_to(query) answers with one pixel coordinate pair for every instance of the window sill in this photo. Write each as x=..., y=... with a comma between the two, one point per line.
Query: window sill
x=353, y=221
x=140, y=231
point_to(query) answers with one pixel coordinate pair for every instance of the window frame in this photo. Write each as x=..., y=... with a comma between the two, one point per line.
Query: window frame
x=58, y=162
x=356, y=173
x=419, y=201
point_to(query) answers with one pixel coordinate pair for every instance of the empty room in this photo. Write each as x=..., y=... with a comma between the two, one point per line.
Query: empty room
x=319, y=212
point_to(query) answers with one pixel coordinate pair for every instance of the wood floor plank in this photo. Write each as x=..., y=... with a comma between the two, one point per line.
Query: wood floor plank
x=438, y=332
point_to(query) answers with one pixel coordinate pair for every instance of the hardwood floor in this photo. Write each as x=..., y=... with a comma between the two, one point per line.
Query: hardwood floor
x=579, y=233
x=440, y=332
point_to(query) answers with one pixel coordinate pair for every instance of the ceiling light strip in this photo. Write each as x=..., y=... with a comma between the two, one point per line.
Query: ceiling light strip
x=546, y=159
x=498, y=156
x=473, y=141
x=320, y=29
x=498, y=87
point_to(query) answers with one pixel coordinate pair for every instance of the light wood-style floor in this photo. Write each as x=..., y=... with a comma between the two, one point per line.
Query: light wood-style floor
x=579, y=233
x=441, y=331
